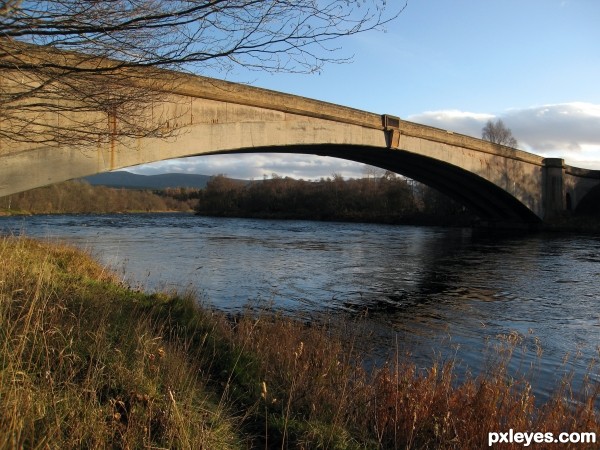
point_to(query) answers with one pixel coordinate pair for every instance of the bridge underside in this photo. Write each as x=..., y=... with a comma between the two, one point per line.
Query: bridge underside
x=488, y=201
x=590, y=204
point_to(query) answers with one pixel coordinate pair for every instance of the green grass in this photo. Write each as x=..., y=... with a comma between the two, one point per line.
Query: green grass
x=86, y=362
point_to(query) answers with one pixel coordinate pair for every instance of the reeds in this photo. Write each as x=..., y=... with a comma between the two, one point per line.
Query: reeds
x=320, y=396
x=87, y=362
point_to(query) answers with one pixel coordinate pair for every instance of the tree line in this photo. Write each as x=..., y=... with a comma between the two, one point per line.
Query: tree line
x=386, y=199
x=79, y=197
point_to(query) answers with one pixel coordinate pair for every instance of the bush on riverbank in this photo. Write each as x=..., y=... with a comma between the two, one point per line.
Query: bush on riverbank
x=87, y=362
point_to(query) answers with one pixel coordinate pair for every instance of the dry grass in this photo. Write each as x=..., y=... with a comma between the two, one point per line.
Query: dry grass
x=79, y=369
x=320, y=397
x=86, y=362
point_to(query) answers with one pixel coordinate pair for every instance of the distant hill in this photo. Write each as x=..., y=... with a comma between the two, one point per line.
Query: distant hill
x=128, y=180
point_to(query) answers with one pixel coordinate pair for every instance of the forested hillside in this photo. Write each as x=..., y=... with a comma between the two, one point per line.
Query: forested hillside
x=78, y=197
x=125, y=179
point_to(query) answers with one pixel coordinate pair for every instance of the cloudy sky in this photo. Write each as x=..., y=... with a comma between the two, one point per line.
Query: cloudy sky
x=453, y=64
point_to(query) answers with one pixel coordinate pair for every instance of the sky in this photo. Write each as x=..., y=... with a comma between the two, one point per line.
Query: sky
x=535, y=64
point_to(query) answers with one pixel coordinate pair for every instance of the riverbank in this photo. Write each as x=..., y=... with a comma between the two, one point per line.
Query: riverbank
x=88, y=362
x=78, y=197
x=388, y=200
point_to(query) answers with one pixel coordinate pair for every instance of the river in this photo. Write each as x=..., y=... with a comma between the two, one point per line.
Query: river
x=435, y=292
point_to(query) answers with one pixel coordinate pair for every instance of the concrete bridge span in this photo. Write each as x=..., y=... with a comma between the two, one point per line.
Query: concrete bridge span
x=210, y=116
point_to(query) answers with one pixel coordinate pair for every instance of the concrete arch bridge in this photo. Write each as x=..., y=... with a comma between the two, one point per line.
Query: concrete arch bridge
x=502, y=185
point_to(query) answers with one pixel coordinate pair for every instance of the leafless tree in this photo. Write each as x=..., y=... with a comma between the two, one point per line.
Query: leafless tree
x=498, y=133
x=373, y=173
x=64, y=56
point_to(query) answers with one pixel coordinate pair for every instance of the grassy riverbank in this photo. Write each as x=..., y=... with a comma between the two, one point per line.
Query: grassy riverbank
x=78, y=197
x=88, y=362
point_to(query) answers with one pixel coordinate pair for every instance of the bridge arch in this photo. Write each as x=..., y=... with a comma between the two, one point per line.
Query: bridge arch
x=482, y=197
x=215, y=117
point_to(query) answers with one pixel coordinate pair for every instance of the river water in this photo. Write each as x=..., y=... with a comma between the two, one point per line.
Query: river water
x=432, y=291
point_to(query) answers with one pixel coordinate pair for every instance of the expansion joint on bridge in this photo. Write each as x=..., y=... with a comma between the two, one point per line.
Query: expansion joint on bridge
x=391, y=127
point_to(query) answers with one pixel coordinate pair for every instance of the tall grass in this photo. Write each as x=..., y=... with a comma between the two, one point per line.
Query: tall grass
x=337, y=404
x=82, y=366
x=87, y=362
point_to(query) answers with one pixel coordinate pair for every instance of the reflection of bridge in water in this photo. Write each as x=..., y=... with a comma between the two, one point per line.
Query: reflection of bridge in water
x=500, y=184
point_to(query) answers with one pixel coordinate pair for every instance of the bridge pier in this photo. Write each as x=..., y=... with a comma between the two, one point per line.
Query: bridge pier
x=553, y=188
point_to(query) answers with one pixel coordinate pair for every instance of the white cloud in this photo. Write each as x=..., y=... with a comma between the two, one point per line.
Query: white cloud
x=257, y=165
x=569, y=127
x=464, y=122
x=565, y=130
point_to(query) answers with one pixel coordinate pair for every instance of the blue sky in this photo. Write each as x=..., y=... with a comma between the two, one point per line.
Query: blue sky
x=453, y=64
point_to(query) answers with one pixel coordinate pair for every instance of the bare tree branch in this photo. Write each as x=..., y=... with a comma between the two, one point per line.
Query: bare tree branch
x=89, y=52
